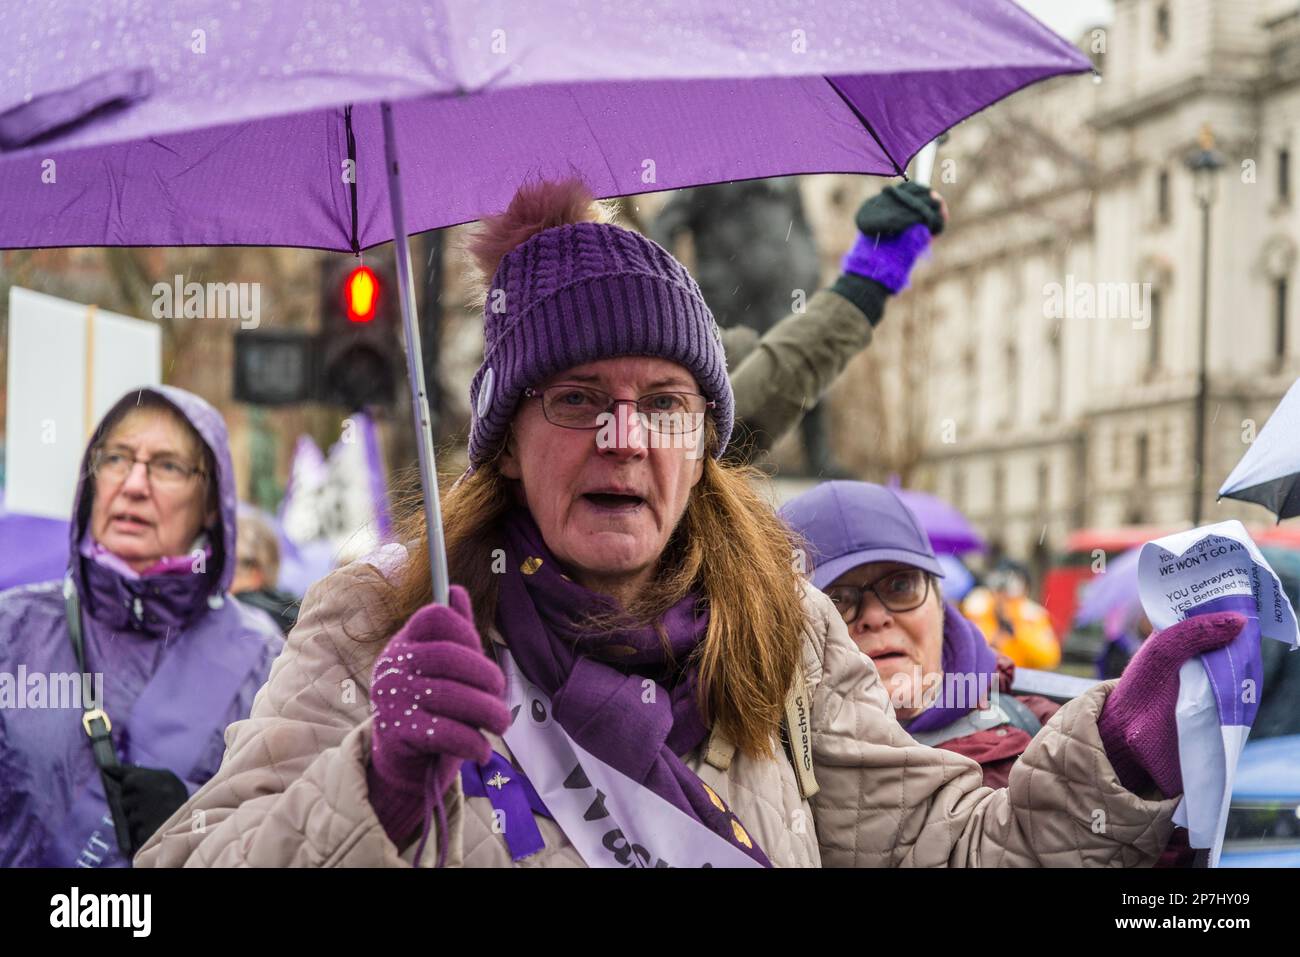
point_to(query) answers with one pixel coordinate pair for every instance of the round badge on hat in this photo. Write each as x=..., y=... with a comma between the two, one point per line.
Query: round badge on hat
x=485, y=392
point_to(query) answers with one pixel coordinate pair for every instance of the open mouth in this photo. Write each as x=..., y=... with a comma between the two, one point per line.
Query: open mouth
x=131, y=521
x=614, y=502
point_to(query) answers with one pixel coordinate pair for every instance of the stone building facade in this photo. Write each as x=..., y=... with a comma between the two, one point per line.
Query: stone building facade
x=1042, y=371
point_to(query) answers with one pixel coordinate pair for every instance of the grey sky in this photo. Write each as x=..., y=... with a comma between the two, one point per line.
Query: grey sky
x=1070, y=17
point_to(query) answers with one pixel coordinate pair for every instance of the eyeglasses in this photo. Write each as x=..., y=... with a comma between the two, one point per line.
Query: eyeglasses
x=581, y=407
x=164, y=471
x=898, y=591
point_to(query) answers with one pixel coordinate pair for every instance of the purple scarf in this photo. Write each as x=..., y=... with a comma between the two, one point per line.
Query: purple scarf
x=965, y=651
x=160, y=602
x=596, y=682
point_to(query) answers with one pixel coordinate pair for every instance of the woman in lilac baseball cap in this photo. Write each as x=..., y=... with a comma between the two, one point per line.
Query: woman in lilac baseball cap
x=949, y=689
x=866, y=551
x=632, y=672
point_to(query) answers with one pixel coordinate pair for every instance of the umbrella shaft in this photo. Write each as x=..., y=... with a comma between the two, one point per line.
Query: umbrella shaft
x=925, y=163
x=415, y=368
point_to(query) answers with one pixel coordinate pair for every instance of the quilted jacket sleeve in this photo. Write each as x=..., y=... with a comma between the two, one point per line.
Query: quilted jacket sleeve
x=887, y=801
x=292, y=787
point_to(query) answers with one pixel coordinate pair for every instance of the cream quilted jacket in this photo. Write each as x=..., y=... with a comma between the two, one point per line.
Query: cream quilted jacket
x=292, y=788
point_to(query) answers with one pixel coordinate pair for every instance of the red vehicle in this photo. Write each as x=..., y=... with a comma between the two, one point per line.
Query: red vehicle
x=1073, y=568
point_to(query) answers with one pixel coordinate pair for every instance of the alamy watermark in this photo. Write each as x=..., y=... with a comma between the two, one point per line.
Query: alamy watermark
x=1081, y=299
x=58, y=689
x=209, y=300
x=915, y=691
x=131, y=912
x=659, y=430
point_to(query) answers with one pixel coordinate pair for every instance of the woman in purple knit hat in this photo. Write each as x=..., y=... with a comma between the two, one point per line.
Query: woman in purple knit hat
x=632, y=672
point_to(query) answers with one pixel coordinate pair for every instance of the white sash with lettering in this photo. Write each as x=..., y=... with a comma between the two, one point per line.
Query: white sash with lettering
x=610, y=819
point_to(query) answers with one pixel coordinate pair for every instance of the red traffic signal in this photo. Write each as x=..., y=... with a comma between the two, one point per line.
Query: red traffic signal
x=361, y=294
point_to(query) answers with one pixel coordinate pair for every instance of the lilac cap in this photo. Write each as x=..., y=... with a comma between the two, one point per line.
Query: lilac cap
x=847, y=524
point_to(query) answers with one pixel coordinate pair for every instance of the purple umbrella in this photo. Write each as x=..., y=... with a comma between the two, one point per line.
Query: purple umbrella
x=949, y=531
x=957, y=578
x=166, y=123
x=1113, y=592
x=35, y=549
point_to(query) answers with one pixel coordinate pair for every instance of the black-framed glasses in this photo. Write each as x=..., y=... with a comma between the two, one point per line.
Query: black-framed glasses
x=582, y=407
x=164, y=471
x=899, y=591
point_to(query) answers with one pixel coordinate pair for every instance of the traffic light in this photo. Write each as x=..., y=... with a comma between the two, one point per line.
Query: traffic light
x=360, y=338
x=355, y=360
x=276, y=368
x=361, y=294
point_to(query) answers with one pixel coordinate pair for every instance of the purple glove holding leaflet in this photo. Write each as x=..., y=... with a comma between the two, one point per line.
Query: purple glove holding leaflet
x=1137, y=724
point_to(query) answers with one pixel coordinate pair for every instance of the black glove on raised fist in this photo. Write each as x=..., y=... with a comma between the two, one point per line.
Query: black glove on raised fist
x=895, y=208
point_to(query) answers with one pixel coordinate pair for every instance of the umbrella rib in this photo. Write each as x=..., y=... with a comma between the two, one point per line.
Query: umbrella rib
x=352, y=169
x=898, y=170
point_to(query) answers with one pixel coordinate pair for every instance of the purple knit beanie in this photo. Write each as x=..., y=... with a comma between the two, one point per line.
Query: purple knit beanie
x=584, y=291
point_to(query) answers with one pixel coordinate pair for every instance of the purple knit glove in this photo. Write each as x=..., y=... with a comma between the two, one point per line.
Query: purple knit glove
x=1137, y=723
x=887, y=259
x=433, y=690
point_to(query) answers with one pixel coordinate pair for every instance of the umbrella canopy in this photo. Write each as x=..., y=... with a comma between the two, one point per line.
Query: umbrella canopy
x=35, y=549
x=171, y=122
x=282, y=125
x=1267, y=472
x=1111, y=594
x=949, y=531
x=957, y=578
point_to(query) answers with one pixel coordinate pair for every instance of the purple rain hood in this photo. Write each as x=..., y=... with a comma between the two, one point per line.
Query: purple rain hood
x=180, y=659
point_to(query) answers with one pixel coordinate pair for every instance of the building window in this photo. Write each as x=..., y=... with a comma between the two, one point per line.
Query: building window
x=1015, y=286
x=970, y=380
x=1279, y=318
x=1056, y=370
x=1013, y=385
x=1154, y=329
x=1162, y=197
x=1140, y=470
x=1284, y=175
x=999, y=488
x=1044, y=490
x=959, y=489
x=1162, y=25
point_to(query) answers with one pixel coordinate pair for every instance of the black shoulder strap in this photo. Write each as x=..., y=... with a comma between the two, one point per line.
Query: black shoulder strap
x=1020, y=715
x=96, y=722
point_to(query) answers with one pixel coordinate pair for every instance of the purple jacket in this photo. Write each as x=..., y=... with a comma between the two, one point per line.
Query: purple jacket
x=180, y=661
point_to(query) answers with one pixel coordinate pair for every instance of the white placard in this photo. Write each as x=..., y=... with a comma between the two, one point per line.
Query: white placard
x=68, y=364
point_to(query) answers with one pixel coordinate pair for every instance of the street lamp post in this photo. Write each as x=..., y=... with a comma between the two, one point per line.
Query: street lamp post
x=1204, y=162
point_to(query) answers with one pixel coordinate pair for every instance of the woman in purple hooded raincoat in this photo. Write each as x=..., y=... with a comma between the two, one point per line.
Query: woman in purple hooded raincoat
x=152, y=557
